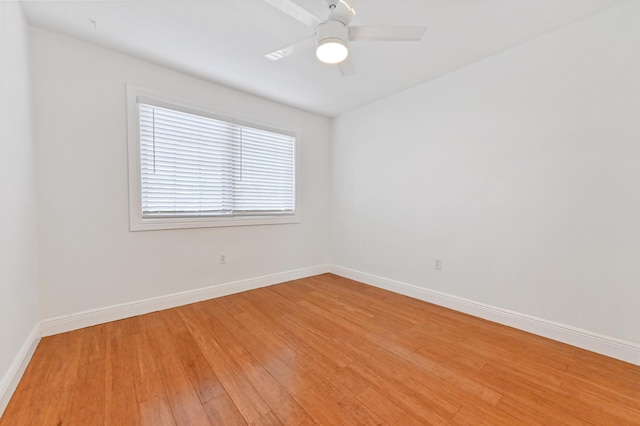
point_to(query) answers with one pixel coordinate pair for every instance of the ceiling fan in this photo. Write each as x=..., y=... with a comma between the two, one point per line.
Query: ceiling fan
x=334, y=33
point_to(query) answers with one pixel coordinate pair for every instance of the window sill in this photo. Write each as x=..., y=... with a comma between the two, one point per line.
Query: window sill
x=139, y=224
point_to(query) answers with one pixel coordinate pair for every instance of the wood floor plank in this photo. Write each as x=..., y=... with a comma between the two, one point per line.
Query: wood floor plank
x=206, y=329
x=289, y=372
x=453, y=375
x=330, y=406
x=34, y=404
x=475, y=416
x=88, y=398
x=564, y=407
x=385, y=329
x=497, y=351
x=222, y=411
x=156, y=411
x=609, y=396
x=395, y=390
x=252, y=319
x=121, y=406
x=282, y=404
x=528, y=415
x=388, y=410
x=202, y=377
x=390, y=315
x=322, y=350
x=443, y=398
x=268, y=419
x=312, y=341
x=450, y=352
x=146, y=376
x=605, y=372
x=185, y=404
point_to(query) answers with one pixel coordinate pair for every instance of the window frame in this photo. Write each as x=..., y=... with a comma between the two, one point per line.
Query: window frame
x=137, y=222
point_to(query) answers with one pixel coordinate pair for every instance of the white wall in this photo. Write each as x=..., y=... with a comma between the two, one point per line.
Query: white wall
x=18, y=225
x=89, y=259
x=522, y=172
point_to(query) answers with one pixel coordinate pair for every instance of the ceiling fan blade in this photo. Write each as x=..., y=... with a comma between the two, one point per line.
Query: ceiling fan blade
x=296, y=11
x=306, y=43
x=381, y=33
x=344, y=11
x=346, y=68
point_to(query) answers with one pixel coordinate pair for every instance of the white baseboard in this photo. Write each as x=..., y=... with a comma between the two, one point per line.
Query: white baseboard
x=605, y=345
x=92, y=317
x=10, y=381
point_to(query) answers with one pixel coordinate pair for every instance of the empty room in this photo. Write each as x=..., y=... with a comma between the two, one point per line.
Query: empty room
x=317, y=212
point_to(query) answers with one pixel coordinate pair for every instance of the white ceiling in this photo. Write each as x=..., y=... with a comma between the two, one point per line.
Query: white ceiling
x=224, y=41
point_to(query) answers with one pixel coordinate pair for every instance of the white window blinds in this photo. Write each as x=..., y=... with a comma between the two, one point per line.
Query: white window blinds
x=194, y=166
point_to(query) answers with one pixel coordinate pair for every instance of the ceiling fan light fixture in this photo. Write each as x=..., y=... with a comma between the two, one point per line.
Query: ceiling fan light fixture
x=331, y=44
x=332, y=51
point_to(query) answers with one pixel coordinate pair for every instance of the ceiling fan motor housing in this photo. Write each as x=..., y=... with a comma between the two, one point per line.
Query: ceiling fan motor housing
x=332, y=31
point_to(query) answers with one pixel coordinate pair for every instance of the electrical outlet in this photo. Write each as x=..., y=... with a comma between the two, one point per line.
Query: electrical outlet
x=438, y=263
x=223, y=259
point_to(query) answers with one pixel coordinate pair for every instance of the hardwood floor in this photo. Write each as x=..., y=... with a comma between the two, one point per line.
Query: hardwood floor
x=322, y=350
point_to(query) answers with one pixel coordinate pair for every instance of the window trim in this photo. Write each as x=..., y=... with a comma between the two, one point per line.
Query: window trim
x=139, y=223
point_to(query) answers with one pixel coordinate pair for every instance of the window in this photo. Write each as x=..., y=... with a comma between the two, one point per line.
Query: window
x=189, y=168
